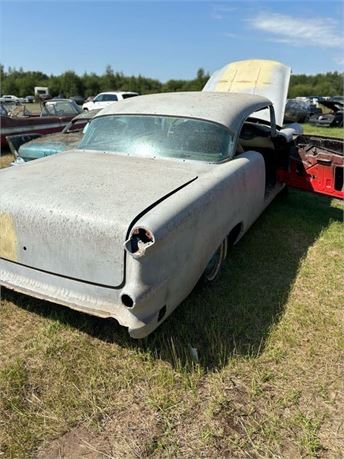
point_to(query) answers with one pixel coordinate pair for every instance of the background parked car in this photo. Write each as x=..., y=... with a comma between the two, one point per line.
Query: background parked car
x=54, y=116
x=78, y=99
x=10, y=99
x=332, y=119
x=27, y=147
x=299, y=111
x=105, y=98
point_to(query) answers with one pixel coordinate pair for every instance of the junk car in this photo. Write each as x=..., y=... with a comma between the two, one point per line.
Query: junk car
x=149, y=203
x=297, y=111
x=332, y=119
x=27, y=147
x=54, y=116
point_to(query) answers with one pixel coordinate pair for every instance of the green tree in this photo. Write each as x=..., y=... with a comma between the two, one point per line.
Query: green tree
x=91, y=83
x=21, y=83
x=71, y=84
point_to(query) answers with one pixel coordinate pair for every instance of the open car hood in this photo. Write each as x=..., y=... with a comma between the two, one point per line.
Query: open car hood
x=265, y=78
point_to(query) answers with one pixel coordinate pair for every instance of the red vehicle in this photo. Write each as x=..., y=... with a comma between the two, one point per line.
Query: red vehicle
x=54, y=116
x=316, y=165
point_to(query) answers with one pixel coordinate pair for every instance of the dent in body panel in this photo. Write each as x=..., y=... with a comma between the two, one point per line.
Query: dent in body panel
x=8, y=238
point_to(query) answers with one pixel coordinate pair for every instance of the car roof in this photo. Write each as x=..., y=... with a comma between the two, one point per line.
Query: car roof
x=58, y=99
x=117, y=92
x=228, y=109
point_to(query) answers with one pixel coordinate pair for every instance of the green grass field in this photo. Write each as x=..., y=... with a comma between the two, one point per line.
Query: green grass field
x=267, y=381
x=324, y=131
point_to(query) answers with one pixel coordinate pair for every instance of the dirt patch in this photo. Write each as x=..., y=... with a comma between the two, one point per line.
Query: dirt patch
x=128, y=433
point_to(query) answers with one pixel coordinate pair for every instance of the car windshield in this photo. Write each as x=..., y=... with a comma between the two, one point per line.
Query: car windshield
x=159, y=136
x=60, y=108
x=3, y=110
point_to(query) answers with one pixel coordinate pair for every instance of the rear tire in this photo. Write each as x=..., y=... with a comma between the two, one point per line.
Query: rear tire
x=215, y=263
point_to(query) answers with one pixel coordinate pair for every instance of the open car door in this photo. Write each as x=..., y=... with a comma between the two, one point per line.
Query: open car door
x=316, y=165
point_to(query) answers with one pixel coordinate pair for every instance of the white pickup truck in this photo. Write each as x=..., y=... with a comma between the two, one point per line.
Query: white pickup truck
x=106, y=98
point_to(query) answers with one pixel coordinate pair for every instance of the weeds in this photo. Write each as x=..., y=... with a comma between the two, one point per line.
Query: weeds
x=251, y=367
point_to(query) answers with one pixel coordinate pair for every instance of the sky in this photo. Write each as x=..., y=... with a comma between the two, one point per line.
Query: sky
x=169, y=39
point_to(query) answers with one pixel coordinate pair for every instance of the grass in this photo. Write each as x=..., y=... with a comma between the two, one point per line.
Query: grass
x=5, y=159
x=267, y=382
x=324, y=131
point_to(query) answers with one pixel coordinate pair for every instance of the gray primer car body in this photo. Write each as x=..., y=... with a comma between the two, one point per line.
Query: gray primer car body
x=67, y=223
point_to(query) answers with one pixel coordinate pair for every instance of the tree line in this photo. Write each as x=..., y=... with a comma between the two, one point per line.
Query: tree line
x=21, y=83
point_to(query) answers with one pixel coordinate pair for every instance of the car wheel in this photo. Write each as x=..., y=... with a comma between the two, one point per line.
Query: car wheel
x=215, y=263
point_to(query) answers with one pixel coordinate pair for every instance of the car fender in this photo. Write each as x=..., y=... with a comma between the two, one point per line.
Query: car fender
x=190, y=225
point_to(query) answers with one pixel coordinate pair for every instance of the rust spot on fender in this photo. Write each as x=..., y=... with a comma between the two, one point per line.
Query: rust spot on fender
x=8, y=238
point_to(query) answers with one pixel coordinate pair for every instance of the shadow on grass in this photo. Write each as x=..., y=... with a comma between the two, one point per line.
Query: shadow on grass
x=236, y=314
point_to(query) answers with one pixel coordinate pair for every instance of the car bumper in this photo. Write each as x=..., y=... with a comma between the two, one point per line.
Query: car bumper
x=89, y=298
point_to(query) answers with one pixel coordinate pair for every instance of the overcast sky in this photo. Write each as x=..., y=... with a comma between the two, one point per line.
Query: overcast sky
x=169, y=39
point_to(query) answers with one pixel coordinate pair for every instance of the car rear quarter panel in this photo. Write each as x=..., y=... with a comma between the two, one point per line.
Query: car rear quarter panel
x=190, y=225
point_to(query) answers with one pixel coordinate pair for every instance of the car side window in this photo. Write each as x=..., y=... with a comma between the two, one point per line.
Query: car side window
x=98, y=98
x=127, y=96
x=110, y=97
x=255, y=135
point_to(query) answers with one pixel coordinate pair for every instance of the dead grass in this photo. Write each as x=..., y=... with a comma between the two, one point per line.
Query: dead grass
x=5, y=159
x=267, y=384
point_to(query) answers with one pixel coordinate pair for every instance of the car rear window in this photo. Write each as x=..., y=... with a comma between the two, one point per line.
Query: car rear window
x=159, y=136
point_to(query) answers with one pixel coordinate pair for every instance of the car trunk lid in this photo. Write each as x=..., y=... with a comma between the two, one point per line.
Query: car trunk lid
x=70, y=214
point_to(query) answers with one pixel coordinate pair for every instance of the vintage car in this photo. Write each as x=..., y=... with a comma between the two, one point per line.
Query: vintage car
x=106, y=98
x=332, y=119
x=54, y=116
x=27, y=147
x=262, y=77
x=166, y=184
x=300, y=111
x=10, y=99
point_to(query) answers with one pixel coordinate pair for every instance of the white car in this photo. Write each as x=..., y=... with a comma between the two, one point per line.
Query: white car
x=9, y=98
x=106, y=98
